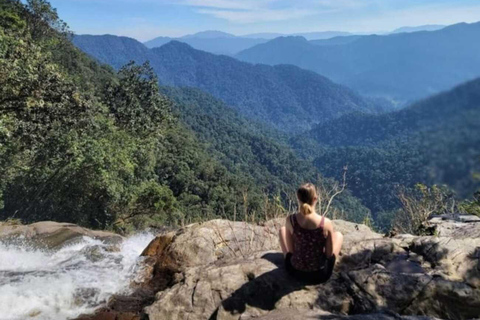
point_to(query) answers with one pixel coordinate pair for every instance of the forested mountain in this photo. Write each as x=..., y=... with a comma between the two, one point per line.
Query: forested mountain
x=81, y=143
x=287, y=97
x=403, y=67
x=436, y=140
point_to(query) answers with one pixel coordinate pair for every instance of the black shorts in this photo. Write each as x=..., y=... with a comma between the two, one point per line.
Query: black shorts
x=311, y=277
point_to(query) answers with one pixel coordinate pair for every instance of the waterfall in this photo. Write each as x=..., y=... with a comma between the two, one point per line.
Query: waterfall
x=64, y=283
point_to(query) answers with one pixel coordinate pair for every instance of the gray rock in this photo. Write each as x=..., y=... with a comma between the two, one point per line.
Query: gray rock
x=53, y=234
x=233, y=270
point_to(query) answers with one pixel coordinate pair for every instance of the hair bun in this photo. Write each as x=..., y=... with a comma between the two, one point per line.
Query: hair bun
x=306, y=209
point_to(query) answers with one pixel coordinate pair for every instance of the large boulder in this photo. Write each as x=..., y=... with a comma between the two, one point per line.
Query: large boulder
x=234, y=270
x=52, y=234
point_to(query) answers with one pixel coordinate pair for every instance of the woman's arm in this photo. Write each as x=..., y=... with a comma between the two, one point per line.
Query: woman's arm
x=287, y=237
x=329, y=232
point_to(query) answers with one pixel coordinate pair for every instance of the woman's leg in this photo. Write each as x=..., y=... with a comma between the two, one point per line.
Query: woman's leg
x=337, y=243
x=285, y=240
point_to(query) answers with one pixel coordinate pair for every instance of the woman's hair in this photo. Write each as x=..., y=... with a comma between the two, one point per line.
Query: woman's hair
x=306, y=195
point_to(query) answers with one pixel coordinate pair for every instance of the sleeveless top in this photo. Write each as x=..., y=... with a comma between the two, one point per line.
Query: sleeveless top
x=309, y=246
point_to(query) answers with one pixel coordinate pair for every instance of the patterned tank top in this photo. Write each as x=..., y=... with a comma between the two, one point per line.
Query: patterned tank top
x=309, y=245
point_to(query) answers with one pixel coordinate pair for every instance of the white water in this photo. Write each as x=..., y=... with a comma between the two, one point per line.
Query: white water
x=57, y=285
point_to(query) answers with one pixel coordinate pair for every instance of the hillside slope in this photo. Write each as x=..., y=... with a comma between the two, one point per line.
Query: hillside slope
x=287, y=97
x=81, y=143
x=403, y=67
x=433, y=141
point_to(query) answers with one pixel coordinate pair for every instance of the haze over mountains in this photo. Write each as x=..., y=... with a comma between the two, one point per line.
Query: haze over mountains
x=427, y=27
x=284, y=96
x=226, y=43
x=219, y=42
x=402, y=67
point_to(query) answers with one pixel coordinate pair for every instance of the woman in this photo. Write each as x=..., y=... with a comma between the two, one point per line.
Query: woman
x=309, y=243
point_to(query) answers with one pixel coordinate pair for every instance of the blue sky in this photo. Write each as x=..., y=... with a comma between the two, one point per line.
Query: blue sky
x=146, y=19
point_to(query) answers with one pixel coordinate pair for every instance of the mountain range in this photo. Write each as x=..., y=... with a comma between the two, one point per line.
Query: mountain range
x=402, y=67
x=219, y=42
x=284, y=96
x=226, y=43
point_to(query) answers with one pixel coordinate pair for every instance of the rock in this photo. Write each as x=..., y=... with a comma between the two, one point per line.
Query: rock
x=294, y=314
x=233, y=270
x=451, y=258
x=232, y=291
x=204, y=244
x=53, y=234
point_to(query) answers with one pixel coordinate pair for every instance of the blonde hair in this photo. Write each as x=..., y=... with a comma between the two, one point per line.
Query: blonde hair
x=306, y=195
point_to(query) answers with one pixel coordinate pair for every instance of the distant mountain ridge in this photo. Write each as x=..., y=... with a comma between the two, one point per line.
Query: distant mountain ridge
x=427, y=27
x=220, y=42
x=402, y=66
x=286, y=97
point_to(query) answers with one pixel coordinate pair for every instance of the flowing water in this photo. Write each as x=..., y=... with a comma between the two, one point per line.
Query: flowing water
x=62, y=284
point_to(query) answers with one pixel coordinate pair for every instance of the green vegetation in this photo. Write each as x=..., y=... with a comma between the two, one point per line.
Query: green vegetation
x=418, y=204
x=83, y=144
x=435, y=141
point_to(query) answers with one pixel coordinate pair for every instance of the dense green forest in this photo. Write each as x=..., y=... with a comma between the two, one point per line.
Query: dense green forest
x=435, y=141
x=246, y=147
x=82, y=143
x=284, y=96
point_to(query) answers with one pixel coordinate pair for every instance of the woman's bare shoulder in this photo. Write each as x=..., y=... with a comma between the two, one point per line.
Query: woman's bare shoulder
x=328, y=223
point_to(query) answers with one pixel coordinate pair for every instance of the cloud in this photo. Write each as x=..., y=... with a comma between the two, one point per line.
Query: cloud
x=252, y=11
x=229, y=4
x=252, y=16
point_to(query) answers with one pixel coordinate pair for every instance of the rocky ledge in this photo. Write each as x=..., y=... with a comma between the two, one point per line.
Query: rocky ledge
x=52, y=234
x=233, y=270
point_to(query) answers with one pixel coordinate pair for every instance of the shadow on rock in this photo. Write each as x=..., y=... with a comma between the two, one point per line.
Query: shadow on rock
x=265, y=291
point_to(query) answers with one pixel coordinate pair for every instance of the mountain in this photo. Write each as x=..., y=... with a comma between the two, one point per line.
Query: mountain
x=219, y=42
x=434, y=141
x=211, y=41
x=336, y=40
x=307, y=35
x=209, y=34
x=286, y=97
x=402, y=67
x=118, y=51
x=263, y=35
x=157, y=42
x=248, y=148
x=428, y=27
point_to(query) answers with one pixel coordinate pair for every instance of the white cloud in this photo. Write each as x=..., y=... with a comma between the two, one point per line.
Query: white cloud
x=229, y=4
x=252, y=16
x=252, y=11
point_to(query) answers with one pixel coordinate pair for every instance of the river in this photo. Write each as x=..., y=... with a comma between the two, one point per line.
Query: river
x=62, y=284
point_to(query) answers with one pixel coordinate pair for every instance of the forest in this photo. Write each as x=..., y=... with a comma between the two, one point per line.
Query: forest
x=130, y=146
x=83, y=143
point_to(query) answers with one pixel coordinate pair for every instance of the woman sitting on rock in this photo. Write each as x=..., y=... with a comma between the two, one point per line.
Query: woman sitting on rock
x=309, y=243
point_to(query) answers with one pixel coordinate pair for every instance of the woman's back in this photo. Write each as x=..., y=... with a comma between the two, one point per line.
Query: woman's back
x=309, y=243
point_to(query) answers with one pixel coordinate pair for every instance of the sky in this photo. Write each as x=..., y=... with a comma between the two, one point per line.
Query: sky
x=147, y=19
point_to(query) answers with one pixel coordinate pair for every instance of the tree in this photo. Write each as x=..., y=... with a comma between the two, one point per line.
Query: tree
x=419, y=204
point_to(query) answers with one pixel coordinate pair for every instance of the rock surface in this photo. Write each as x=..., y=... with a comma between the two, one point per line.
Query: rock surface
x=52, y=234
x=233, y=270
